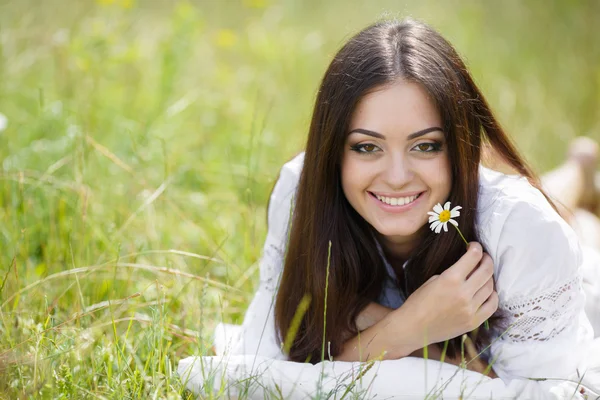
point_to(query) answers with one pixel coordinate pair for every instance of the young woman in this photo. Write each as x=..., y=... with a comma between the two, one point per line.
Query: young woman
x=351, y=269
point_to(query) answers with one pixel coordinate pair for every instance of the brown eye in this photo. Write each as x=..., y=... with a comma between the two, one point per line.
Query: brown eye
x=365, y=148
x=428, y=147
x=425, y=147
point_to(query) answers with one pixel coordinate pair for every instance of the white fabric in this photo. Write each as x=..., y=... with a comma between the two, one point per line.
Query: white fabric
x=259, y=377
x=537, y=263
x=588, y=230
x=537, y=269
x=259, y=327
x=591, y=286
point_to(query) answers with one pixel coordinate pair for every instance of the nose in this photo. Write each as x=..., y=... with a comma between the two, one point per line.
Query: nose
x=398, y=172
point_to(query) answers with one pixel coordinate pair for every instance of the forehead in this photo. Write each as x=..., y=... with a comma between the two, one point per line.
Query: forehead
x=397, y=109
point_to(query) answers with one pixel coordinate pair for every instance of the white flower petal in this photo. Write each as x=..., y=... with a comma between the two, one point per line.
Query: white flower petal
x=435, y=225
x=447, y=206
x=438, y=229
x=445, y=226
x=434, y=218
x=453, y=222
x=432, y=213
x=456, y=208
x=454, y=214
x=438, y=208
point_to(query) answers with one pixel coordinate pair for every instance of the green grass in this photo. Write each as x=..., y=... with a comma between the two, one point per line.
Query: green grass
x=143, y=140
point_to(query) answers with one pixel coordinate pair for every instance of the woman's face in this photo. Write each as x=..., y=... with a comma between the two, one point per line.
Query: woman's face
x=395, y=166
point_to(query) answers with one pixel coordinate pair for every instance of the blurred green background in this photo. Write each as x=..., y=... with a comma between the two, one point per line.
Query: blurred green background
x=142, y=139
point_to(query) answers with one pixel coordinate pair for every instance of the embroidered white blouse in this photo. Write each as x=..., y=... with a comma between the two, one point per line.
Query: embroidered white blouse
x=537, y=269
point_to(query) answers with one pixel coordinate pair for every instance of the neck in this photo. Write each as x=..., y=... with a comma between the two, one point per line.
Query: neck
x=399, y=249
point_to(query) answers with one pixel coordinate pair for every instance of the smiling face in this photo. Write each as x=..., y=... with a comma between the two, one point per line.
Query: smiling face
x=395, y=166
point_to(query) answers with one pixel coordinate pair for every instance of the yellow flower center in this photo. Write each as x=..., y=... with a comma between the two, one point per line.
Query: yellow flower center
x=445, y=216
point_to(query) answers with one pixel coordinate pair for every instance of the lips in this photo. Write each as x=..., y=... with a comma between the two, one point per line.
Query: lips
x=396, y=200
x=396, y=204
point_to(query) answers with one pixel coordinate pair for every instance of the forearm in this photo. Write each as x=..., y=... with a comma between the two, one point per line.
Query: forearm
x=382, y=337
x=389, y=334
x=370, y=315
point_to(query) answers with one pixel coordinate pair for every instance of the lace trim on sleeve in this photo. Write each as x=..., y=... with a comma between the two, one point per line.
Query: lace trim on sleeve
x=544, y=316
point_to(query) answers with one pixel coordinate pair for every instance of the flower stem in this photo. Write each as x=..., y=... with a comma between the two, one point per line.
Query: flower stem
x=486, y=324
x=461, y=235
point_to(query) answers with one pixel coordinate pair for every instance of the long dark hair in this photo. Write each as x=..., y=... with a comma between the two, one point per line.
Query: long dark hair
x=327, y=234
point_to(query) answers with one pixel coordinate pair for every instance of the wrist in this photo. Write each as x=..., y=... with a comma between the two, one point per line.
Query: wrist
x=403, y=328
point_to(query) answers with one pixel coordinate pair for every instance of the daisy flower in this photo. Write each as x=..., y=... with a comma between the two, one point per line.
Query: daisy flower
x=440, y=216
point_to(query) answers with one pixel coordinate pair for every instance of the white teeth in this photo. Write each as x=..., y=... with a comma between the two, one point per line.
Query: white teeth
x=397, y=201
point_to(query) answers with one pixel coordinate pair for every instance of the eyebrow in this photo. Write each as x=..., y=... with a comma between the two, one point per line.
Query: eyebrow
x=410, y=137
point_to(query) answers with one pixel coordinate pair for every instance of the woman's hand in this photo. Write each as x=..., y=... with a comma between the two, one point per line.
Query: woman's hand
x=457, y=301
x=446, y=306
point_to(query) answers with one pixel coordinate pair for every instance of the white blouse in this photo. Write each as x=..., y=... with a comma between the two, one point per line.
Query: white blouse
x=537, y=269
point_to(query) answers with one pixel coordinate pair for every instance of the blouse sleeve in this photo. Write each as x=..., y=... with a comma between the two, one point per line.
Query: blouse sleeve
x=538, y=280
x=258, y=334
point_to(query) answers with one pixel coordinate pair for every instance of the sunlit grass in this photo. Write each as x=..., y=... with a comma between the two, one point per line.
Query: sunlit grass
x=142, y=141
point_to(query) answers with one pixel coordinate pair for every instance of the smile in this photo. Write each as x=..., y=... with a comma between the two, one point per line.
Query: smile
x=396, y=201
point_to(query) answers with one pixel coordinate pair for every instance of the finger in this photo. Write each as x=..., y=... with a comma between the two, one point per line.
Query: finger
x=488, y=308
x=483, y=293
x=481, y=274
x=468, y=261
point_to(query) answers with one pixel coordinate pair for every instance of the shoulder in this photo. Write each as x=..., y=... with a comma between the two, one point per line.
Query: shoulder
x=499, y=193
x=281, y=199
x=289, y=176
x=507, y=200
x=293, y=168
x=523, y=233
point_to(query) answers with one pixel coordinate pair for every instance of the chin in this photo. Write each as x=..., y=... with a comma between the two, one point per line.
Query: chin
x=396, y=231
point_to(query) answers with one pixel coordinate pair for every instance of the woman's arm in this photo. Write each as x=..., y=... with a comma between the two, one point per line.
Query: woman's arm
x=370, y=315
x=258, y=335
x=374, y=313
x=388, y=334
x=446, y=306
x=539, y=284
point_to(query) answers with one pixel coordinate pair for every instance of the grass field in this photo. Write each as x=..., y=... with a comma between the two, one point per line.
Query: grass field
x=142, y=141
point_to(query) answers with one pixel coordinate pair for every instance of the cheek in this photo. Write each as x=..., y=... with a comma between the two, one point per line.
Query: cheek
x=355, y=179
x=346, y=174
x=444, y=176
x=439, y=177
x=348, y=180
